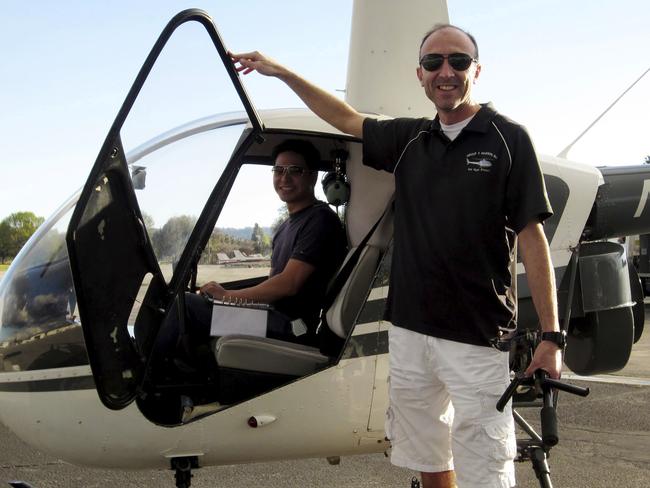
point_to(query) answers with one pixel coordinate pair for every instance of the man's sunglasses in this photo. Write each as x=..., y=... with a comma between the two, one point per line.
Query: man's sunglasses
x=458, y=61
x=289, y=170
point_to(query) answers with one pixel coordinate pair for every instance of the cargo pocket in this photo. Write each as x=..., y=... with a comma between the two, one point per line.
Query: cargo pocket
x=498, y=427
x=501, y=436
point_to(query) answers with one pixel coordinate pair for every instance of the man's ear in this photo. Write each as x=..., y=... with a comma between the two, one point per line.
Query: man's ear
x=477, y=71
x=418, y=72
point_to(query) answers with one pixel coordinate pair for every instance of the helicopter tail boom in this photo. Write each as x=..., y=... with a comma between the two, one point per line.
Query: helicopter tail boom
x=621, y=205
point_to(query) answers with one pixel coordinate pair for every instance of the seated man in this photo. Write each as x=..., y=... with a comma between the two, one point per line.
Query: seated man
x=308, y=248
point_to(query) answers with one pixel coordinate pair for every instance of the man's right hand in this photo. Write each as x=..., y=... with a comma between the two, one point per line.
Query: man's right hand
x=325, y=105
x=213, y=289
x=255, y=61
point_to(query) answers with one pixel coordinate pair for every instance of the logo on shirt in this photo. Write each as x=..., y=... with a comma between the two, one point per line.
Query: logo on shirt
x=480, y=161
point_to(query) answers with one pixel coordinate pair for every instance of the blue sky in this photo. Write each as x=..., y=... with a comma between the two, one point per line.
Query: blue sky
x=67, y=66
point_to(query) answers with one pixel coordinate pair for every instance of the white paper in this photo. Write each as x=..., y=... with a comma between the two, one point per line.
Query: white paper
x=229, y=320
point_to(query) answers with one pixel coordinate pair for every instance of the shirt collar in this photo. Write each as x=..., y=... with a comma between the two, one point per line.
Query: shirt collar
x=479, y=123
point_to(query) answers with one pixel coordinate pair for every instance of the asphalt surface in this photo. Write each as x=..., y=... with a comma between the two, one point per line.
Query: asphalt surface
x=604, y=442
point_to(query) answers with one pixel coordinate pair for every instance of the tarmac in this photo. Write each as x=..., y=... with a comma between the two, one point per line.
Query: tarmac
x=604, y=442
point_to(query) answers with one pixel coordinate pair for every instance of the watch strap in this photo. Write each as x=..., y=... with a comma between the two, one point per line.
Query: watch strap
x=558, y=338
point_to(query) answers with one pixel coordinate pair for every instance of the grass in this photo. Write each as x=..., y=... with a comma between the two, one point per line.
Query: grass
x=3, y=267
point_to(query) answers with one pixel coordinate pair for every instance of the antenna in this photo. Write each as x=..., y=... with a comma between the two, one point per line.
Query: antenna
x=565, y=151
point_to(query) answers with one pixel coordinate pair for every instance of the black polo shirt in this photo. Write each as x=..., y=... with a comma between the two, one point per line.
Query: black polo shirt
x=313, y=235
x=458, y=207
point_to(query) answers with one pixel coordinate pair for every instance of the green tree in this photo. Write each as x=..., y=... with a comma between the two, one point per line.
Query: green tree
x=148, y=221
x=221, y=243
x=5, y=241
x=168, y=242
x=257, y=237
x=266, y=245
x=283, y=214
x=647, y=159
x=150, y=225
x=15, y=230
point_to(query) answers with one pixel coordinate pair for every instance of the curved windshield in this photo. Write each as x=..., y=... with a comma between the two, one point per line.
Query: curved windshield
x=38, y=325
x=173, y=175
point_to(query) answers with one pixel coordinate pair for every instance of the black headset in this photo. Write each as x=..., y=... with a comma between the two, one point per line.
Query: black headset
x=335, y=183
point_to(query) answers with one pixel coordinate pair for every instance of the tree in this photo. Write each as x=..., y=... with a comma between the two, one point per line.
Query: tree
x=15, y=230
x=5, y=241
x=283, y=214
x=258, y=238
x=168, y=242
x=647, y=159
x=221, y=243
x=148, y=221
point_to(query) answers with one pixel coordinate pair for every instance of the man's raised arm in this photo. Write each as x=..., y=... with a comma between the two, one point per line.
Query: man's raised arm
x=329, y=108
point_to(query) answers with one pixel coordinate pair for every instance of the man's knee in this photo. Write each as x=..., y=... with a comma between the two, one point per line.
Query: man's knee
x=198, y=314
x=443, y=479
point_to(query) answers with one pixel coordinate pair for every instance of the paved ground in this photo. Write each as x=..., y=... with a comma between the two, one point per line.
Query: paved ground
x=604, y=442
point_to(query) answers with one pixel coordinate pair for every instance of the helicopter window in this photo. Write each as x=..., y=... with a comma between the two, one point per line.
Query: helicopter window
x=187, y=82
x=239, y=248
x=179, y=179
x=38, y=306
x=176, y=169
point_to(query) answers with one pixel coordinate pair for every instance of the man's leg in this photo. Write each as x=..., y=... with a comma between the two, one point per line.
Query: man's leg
x=418, y=420
x=483, y=440
x=444, y=479
x=196, y=344
x=196, y=331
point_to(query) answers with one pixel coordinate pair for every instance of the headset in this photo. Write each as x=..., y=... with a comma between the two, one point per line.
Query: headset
x=335, y=183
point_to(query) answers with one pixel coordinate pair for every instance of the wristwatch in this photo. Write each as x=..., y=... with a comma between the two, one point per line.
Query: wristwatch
x=557, y=338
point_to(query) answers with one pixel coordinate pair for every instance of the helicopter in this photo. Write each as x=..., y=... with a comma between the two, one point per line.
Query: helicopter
x=82, y=303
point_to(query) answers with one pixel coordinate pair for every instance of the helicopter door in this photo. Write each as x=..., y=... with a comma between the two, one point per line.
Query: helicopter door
x=143, y=201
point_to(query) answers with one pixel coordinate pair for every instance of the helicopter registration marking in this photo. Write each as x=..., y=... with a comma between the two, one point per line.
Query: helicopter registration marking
x=644, y=198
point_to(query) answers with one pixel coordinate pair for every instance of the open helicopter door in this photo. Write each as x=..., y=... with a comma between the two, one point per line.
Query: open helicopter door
x=118, y=274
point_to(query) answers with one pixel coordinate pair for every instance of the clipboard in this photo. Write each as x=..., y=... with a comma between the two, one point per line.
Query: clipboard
x=235, y=318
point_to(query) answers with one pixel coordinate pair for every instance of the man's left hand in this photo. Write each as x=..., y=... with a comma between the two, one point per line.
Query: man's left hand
x=548, y=356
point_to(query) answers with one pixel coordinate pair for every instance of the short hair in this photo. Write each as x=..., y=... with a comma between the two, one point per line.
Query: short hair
x=305, y=148
x=438, y=27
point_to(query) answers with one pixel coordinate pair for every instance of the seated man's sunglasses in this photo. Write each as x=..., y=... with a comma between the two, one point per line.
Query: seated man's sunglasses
x=289, y=170
x=458, y=61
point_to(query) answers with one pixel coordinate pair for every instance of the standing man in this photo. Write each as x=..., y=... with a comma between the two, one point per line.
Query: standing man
x=468, y=187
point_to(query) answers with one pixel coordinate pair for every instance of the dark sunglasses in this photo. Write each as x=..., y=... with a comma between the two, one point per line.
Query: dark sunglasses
x=458, y=61
x=289, y=170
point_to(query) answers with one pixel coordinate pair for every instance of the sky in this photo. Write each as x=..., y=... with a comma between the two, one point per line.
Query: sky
x=552, y=65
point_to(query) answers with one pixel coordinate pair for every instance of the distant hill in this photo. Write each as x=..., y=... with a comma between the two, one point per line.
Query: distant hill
x=243, y=233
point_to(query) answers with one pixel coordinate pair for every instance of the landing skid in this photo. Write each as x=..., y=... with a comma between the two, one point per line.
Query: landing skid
x=183, y=470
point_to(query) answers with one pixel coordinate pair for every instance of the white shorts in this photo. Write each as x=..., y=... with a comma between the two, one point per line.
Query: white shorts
x=442, y=413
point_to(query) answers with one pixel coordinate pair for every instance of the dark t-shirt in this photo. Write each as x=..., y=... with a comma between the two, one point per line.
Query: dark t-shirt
x=313, y=235
x=458, y=207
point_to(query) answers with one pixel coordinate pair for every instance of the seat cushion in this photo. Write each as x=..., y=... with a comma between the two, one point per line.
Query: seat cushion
x=266, y=355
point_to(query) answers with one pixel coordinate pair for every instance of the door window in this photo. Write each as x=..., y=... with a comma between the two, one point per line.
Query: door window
x=240, y=244
x=174, y=174
x=161, y=161
x=178, y=181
